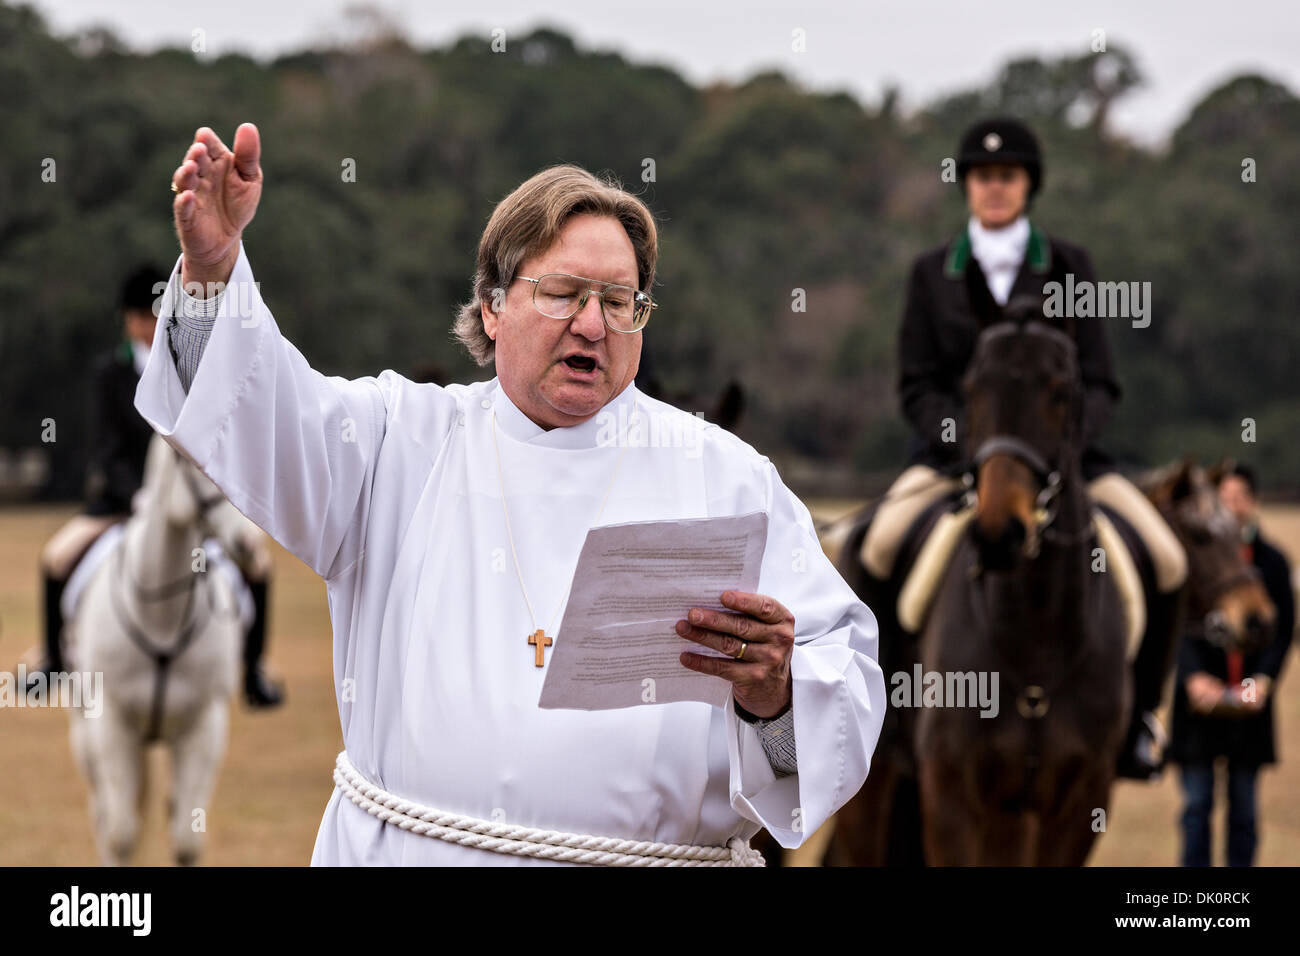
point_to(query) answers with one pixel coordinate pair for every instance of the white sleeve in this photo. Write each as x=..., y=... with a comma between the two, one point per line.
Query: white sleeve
x=293, y=449
x=839, y=690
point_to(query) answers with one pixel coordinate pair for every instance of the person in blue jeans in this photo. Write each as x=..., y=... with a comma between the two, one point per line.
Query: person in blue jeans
x=1223, y=701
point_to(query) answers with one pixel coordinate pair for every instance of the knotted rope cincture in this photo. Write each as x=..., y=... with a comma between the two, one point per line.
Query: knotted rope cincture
x=528, y=841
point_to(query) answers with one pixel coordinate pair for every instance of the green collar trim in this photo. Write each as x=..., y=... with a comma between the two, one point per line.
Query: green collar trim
x=124, y=353
x=954, y=266
x=1038, y=253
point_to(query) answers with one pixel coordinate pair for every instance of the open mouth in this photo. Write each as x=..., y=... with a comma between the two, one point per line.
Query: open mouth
x=581, y=363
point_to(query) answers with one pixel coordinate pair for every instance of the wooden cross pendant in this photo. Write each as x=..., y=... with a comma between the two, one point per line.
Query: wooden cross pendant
x=542, y=642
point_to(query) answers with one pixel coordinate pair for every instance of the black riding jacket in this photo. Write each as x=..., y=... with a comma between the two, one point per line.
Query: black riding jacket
x=948, y=301
x=119, y=435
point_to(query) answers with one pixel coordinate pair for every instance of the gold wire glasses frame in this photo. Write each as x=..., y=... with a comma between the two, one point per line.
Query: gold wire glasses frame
x=559, y=295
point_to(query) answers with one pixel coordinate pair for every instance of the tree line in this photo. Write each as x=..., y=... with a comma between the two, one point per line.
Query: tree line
x=789, y=219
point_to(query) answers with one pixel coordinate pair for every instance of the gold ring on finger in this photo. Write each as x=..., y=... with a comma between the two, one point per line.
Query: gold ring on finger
x=175, y=188
x=743, y=646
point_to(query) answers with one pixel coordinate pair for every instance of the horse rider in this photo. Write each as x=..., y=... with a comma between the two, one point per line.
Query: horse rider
x=1212, y=717
x=953, y=291
x=119, y=441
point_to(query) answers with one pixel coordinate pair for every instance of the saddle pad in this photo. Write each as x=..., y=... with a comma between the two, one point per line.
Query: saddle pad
x=1120, y=563
x=85, y=570
x=922, y=582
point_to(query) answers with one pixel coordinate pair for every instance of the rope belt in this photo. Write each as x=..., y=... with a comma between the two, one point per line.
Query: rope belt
x=528, y=841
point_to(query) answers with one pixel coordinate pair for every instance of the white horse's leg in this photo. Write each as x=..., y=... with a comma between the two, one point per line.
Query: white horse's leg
x=118, y=771
x=84, y=758
x=196, y=757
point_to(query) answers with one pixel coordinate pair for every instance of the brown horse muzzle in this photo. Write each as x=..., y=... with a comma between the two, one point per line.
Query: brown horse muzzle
x=1244, y=617
x=1005, y=527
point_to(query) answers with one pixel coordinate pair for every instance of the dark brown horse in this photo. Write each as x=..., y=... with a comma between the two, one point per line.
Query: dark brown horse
x=1026, y=780
x=1225, y=601
x=1021, y=599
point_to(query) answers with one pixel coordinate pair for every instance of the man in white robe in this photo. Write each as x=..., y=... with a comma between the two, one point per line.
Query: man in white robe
x=392, y=492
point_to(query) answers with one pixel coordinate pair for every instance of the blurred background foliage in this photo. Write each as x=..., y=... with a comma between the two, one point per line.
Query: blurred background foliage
x=760, y=188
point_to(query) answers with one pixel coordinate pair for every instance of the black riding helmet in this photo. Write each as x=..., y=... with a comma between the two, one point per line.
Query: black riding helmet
x=1000, y=140
x=142, y=287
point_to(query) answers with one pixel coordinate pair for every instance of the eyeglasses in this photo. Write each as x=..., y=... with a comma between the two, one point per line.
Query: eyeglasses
x=562, y=296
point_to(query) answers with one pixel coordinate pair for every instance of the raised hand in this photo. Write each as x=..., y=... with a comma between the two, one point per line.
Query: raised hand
x=217, y=195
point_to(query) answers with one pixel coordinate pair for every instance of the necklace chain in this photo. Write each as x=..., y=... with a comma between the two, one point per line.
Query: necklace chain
x=519, y=574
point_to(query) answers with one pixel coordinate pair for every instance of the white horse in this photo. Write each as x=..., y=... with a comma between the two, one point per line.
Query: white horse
x=163, y=627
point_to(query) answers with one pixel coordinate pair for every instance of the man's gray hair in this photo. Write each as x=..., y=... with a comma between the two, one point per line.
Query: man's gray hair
x=529, y=220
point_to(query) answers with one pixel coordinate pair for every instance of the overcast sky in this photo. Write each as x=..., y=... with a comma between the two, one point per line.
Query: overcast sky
x=926, y=47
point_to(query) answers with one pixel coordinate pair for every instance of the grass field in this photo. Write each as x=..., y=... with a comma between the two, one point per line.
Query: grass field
x=276, y=777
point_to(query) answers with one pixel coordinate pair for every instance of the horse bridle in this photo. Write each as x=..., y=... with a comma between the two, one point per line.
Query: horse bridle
x=162, y=657
x=188, y=630
x=178, y=586
x=204, y=504
x=1047, y=473
x=1212, y=626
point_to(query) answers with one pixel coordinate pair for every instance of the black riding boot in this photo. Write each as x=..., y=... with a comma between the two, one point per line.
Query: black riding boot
x=259, y=691
x=53, y=662
x=1142, y=756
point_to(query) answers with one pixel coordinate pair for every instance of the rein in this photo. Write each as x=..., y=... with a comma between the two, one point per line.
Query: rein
x=161, y=656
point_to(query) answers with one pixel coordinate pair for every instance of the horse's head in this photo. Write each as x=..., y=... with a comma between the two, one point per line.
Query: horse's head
x=1226, y=600
x=190, y=499
x=1022, y=390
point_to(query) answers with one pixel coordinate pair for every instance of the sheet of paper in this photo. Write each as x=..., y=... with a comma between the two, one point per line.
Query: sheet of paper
x=617, y=645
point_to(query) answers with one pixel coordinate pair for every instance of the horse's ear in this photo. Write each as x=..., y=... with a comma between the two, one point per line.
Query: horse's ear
x=155, y=457
x=1170, y=483
x=1220, y=468
x=1028, y=306
x=1024, y=308
x=1067, y=324
x=988, y=317
x=1183, y=480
